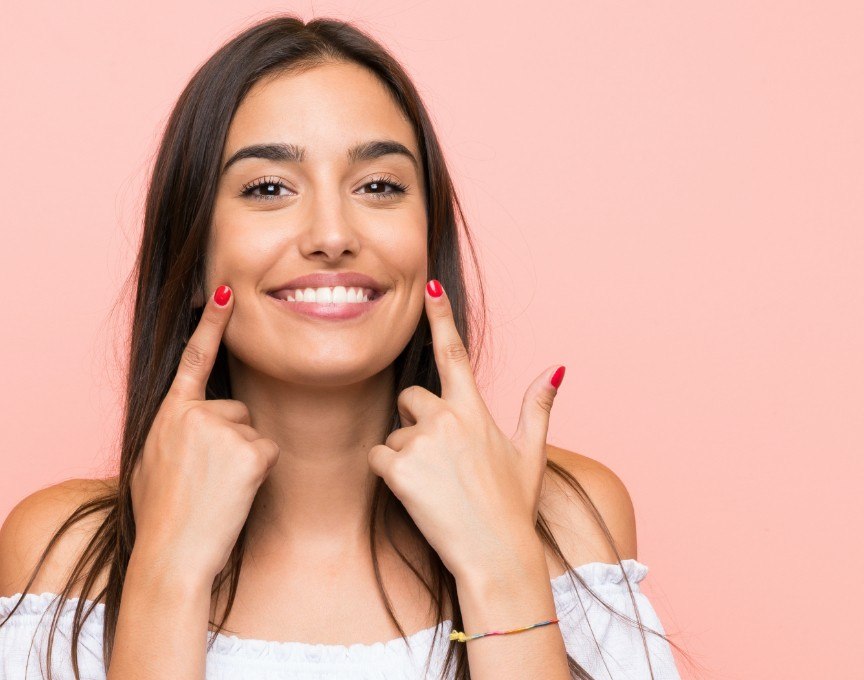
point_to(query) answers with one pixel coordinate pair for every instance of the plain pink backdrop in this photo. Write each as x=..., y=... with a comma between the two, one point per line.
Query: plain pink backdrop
x=668, y=200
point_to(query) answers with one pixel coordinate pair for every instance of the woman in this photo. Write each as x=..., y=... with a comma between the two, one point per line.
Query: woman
x=301, y=404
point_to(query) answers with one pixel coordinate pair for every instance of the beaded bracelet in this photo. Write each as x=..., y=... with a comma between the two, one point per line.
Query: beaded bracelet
x=461, y=637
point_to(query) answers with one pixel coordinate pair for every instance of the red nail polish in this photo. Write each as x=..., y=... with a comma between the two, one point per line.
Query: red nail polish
x=434, y=288
x=222, y=295
x=557, y=377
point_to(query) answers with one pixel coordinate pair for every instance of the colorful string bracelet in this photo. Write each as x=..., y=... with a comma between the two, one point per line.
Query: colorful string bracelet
x=461, y=637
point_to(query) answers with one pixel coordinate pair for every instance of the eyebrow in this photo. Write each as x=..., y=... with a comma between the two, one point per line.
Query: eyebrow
x=293, y=153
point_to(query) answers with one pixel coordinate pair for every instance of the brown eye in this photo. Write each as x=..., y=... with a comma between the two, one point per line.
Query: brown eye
x=379, y=185
x=270, y=185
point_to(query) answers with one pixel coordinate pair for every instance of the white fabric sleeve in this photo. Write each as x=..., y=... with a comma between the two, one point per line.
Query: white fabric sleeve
x=619, y=652
x=24, y=640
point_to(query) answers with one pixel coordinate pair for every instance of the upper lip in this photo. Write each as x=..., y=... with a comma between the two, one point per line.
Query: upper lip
x=331, y=280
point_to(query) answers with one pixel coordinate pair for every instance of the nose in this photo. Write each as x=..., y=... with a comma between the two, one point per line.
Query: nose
x=329, y=234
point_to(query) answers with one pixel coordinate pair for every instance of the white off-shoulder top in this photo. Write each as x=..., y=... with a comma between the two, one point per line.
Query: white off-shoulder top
x=617, y=654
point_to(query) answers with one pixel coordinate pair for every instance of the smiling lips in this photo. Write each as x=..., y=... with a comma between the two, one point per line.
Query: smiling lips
x=334, y=303
x=329, y=294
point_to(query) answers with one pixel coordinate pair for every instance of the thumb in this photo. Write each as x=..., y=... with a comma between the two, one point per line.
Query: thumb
x=536, y=408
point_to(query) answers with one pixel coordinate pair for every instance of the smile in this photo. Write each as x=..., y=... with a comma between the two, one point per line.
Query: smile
x=324, y=295
x=333, y=303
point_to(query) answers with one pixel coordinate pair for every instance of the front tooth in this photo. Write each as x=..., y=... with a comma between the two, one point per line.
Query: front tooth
x=339, y=294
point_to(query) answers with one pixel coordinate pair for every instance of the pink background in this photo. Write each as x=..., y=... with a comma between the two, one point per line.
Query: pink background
x=668, y=201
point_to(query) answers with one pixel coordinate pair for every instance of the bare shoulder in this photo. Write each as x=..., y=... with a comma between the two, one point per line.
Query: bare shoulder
x=571, y=518
x=29, y=527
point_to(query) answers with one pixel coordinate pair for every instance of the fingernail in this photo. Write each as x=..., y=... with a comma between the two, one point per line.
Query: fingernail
x=222, y=295
x=434, y=288
x=557, y=377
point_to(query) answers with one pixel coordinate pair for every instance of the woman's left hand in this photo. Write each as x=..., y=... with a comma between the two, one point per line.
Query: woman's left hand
x=472, y=491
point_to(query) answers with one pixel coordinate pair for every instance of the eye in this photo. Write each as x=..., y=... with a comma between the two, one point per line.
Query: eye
x=273, y=184
x=378, y=183
x=269, y=183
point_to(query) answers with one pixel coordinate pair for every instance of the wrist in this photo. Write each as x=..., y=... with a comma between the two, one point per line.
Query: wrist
x=163, y=571
x=524, y=555
x=508, y=594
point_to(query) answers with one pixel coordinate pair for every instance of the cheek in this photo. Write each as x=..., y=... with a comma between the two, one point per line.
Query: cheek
x=234, y=259
x=406, y=250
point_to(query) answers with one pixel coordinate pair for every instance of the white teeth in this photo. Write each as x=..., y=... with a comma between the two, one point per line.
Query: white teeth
x=335, y=295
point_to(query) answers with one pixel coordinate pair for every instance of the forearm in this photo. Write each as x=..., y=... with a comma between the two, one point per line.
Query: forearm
x=162, y=623
x=512, y=594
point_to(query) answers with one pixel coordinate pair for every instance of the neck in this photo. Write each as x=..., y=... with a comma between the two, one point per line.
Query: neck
x=316, y=499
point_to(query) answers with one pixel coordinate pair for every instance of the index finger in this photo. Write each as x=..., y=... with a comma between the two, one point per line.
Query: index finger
x=199, y=355
x=451, y=356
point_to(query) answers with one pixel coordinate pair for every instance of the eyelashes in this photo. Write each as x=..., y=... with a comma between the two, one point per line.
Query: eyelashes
x=397, y=188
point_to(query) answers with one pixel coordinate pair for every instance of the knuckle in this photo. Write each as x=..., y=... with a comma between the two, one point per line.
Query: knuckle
x=194, y=356
x=195, y=417
x=241, y=408
x=444, y=418
x=211, y=317
x=442, y=312
x=253, y=459
x=272, y=450
x=455, y=351
x=544, y=401
x=268, y=446
x=262, y=460
x=422, y=440
x=410, y=392
x=396, y=475
x=407, y=397
x=265, y=453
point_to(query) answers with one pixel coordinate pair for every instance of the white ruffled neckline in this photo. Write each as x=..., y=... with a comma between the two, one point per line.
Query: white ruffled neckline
x=595, y=574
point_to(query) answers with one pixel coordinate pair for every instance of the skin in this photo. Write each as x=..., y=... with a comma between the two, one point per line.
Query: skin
x=320, y=389
x=323, y=390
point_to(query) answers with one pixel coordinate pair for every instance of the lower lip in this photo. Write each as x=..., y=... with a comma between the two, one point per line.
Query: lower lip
x=329, y=311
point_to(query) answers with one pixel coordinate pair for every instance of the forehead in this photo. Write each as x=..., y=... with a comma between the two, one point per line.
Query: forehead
x=326, y=109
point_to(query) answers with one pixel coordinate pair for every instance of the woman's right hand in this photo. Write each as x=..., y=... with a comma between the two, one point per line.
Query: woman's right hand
x=201, y=465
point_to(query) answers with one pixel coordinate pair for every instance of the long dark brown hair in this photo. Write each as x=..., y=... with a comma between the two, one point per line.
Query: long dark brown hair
x=169, y=271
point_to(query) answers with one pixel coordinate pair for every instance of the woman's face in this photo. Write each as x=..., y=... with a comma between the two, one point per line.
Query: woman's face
x=327, y=211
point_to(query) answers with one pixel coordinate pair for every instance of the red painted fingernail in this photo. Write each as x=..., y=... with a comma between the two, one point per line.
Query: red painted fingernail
x=222, y=295
x=557, y=377
x=434, y=288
